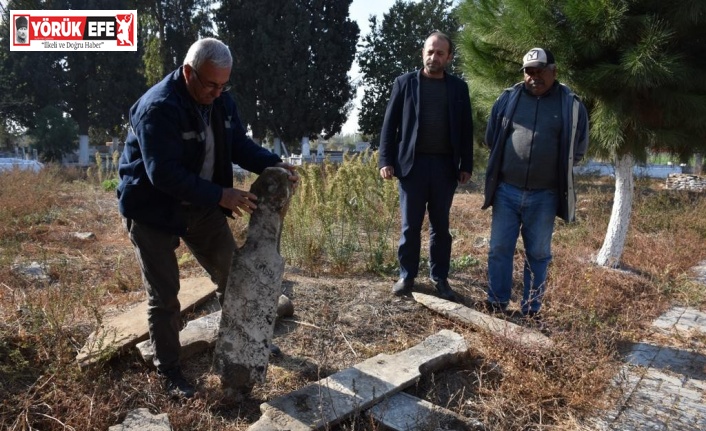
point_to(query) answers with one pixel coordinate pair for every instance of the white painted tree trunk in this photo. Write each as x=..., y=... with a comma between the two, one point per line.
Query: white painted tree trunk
x=614, y=242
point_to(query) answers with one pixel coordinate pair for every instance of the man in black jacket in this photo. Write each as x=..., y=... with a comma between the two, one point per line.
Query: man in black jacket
x=427, y=143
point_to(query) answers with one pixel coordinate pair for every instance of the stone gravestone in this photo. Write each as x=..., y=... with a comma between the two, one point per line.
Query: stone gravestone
x=254, y=286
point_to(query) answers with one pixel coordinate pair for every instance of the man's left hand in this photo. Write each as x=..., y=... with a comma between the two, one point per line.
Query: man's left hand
x=293, y=175
x=464, y=177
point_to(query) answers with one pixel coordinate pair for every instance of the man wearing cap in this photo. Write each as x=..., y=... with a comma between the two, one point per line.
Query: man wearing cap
x=21, y=30
x=537, y=131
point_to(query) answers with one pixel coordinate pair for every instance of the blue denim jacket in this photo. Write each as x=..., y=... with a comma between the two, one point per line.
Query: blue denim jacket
x=164, y=150
x=573, y=145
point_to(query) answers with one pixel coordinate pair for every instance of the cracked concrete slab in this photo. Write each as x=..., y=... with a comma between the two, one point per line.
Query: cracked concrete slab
x=405, y=412
x=126, y=329
x=334, y=398
x=484, y=322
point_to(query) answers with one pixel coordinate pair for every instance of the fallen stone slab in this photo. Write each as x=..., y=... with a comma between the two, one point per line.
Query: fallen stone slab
x=482, y=321
x=197, y=336
x=331, y=400
x=201, y=334
x=124, y=330
x=142, y=420
x=405, y=412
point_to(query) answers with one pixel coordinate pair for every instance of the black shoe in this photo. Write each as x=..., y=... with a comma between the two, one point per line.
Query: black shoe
x=402, y=286
x=493, y=307
x=275, y=351
x=176, y=384
x=445, y=292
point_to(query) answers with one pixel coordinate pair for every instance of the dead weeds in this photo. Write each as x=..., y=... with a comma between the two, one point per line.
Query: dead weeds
x=340, y=318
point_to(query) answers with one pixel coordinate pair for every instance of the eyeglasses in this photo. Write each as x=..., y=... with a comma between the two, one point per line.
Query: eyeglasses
x=211, y=86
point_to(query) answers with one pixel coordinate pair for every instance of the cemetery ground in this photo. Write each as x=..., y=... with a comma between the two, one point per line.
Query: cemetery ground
x=344, y=313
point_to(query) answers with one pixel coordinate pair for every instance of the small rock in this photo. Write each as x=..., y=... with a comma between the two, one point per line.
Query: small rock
x=142, y=420
x=84, y=236
x=34, y=270
x=285, y=308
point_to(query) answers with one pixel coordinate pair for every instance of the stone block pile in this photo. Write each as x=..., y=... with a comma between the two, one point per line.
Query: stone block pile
x=686, y=182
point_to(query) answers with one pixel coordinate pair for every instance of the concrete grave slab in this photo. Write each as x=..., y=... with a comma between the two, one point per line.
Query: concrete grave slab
x=405, y=412
x=335, y=398
x=485, y=322
x=124, y=330
x=197, y=336
x=201, y=334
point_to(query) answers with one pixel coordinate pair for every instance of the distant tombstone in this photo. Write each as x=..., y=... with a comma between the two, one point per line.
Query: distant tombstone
x=277, y=146
x=114, y=145
x=698, y=163
x=362, y=146
x=254, y=286
x=305, y=147
x=320, y=150
x=83, y=150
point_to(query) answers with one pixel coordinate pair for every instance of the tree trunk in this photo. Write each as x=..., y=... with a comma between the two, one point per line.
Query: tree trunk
x=614, y=242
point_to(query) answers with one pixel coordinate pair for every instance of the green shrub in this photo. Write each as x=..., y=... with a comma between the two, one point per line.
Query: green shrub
x=341, y=217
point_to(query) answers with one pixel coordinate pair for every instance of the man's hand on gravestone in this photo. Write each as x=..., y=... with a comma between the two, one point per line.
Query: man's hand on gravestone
x=293, y=175
x=238, y=201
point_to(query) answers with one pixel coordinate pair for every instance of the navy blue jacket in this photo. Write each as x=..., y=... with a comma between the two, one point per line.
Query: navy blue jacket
x=572, y=147
x=399, y=128
x=164, y=150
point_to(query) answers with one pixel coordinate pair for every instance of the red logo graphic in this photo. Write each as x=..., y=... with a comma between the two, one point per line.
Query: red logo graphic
x=125, y=32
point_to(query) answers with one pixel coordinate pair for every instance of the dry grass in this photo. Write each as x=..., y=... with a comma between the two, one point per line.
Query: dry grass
x=344, y=313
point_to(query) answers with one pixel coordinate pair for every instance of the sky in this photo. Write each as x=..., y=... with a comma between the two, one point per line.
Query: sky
x=360, y=11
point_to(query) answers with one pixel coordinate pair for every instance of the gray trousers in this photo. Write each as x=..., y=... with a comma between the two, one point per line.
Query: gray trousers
x=211, y=242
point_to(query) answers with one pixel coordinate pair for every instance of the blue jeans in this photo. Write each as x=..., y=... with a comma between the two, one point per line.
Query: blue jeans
x=429, y=187
x=530, y=213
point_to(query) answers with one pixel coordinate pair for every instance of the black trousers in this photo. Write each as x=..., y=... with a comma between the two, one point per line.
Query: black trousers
x=211, y=242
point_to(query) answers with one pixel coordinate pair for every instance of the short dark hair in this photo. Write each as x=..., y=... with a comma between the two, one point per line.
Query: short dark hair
x=441, y=34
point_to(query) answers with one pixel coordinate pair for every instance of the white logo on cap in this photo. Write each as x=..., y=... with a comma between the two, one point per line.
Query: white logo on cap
x=533, y=55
